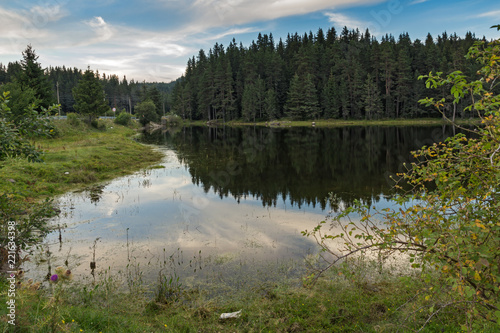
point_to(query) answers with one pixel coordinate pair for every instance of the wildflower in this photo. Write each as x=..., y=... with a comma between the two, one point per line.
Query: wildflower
x=60, y=270
x=54, y=278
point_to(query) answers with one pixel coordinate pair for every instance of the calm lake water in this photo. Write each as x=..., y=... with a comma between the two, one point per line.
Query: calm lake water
x=227, y=200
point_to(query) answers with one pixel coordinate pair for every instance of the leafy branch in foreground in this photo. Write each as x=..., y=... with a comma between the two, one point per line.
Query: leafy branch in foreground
x=449, y=223
x=16, y=133
x=23, y=224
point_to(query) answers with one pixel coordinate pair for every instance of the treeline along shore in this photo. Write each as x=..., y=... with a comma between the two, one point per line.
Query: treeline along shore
x=350, y=75
x=347, y=75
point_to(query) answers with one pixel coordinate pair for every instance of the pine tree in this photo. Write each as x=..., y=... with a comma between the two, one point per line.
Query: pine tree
x=205, y=94
x=260, y=95
x=270, y=108
x=302, y=100
x=249, y=102
x=182, y=99
x=371, y=99
x=330, y=98
x=89, y=96
x=403, y=77
x=33, y=76
x=229, y=104
x=387, y=68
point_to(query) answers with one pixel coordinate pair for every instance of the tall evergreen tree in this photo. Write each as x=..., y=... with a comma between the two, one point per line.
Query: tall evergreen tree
x=89, y=96
x=270, y=107
x=33, y=76
x=205, y=94
x=371, y=99
x=302, y=100
x=330, y=98
x=249, y=102
x=403, y=82
x=386, y=68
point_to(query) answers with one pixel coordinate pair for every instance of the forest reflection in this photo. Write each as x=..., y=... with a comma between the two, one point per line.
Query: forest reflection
x=303, y=165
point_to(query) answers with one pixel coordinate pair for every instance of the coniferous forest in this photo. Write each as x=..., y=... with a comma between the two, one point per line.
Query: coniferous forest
x=120, y=94
x=346, y=75
x=349, y=75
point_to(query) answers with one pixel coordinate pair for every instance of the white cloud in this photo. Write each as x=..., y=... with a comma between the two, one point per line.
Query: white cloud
x=102, y=30
x=162, y=47
x=22, y=26
x=211, y=13
x=341, y=20
x=42, y=15
x=232, y=32
x=415, y=2
x=493, y=13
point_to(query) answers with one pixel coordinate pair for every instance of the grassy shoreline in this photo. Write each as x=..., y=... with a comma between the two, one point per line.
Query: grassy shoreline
x=339, y=122
x=354, y=298
x=77, y=158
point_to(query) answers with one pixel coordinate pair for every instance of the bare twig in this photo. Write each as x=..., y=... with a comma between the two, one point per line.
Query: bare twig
x=492, y=155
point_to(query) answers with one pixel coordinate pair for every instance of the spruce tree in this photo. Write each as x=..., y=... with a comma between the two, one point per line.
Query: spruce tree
x=403, y=81
x=32, y=76
x=270, y=105
x=249, y=102
x=302, y=100
x=371, y=99
x=330, y=98
x=89, y=96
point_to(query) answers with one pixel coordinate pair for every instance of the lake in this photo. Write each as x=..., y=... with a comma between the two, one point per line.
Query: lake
x=227, y=202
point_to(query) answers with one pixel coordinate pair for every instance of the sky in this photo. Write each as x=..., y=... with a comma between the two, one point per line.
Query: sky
x=151, y=40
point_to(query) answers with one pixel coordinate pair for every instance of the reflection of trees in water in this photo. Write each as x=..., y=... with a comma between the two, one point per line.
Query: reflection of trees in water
x=303, y=164
x=94, y=192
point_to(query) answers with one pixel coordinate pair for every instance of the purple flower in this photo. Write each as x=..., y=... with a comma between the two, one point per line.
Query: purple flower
x=54, y=278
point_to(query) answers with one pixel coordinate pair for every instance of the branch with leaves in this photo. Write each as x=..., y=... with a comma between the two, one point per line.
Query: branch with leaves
x=448, y=226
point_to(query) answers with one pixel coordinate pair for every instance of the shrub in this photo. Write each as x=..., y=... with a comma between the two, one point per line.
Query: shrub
x=173, y=120
x=98, y=124
x=73, y=119
x=123, y=118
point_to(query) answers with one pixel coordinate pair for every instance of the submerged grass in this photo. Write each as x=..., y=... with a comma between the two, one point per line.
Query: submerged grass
x=77, y=157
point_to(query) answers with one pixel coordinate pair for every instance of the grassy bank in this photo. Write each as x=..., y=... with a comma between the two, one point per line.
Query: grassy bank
x=358, y=299
x=340, y=122
x=77, y=157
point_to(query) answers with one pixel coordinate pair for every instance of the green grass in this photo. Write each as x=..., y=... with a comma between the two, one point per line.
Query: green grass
x=362, y=301
x=78, y=157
